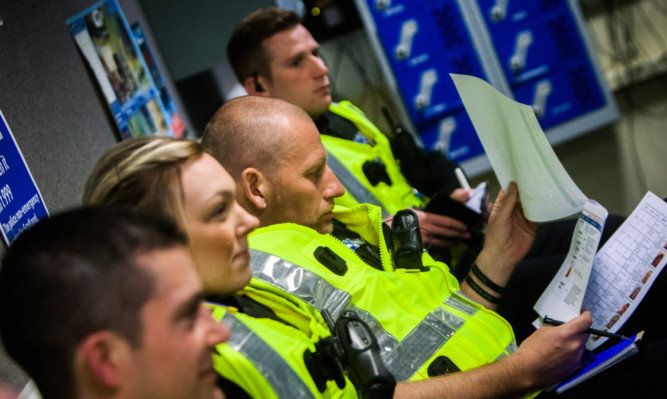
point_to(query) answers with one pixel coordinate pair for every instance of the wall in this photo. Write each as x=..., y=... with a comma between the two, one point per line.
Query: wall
x=193, y=35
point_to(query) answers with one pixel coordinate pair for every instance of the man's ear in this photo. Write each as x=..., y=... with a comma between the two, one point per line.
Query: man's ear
x=256, y=189
x=102, y=358
x=256, y=86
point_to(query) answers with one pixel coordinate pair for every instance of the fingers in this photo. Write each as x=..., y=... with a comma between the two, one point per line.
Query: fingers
x=508, y=200
x=581, y=323
x=430, y=240
x=576, y=334
x=553, y=353
x=495, y=207
x=488, y=207
x=573, y=334
x=578, y=325
x=506, y=203
x=500, y=197
x=441, y=231
x=444, y=226
x=460, y=194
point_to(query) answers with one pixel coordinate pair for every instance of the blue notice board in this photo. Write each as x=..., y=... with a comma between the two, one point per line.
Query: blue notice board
x=21, y=204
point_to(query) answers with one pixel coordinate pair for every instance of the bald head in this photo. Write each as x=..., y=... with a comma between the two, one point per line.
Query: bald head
x=274, y=152
x=251, y=131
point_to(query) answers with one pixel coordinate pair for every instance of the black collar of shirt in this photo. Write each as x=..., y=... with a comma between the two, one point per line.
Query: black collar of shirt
x=336, y=126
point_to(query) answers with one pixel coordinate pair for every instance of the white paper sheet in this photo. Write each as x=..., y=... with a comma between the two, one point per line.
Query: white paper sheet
x=477, y=197
x=626, y=266
x=563, y=298
x=519, y=151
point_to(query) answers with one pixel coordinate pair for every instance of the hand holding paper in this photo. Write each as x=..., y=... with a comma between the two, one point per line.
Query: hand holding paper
x=509, y=236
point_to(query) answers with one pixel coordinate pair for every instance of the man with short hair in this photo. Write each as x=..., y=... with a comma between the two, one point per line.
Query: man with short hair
x=428, y=326
x=292, y=194
x=250, y=155
x=103, y=303
x=273, y=55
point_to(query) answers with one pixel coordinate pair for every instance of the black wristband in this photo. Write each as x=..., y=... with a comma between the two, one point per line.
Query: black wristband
x=475, y=287
x=485, y=280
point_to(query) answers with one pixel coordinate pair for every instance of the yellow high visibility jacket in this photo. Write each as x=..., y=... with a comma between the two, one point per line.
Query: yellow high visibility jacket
x=265, y=357
x=421, y=319
x=346, y=159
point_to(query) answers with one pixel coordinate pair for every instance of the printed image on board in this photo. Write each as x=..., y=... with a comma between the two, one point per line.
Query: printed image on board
x=105, y=40
x=453, y=135
x=21, y=204
x=177, y=126
x=424, y=41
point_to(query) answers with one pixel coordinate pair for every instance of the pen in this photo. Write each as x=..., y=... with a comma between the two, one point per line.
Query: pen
x=550, y=321
x=462, y=179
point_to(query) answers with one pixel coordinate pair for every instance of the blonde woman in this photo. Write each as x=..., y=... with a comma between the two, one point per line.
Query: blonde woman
x=270, y=334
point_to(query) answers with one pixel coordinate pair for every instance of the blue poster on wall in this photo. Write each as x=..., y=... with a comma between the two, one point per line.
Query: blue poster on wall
x=177, y=126
x=106, y=41
x=535, y=52
x=21, y=204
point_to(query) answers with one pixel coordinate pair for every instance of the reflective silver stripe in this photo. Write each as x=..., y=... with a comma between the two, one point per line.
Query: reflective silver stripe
x=422, y=343
x=285, y=382
x=314, y=290
x=299, y=282
x=511, y=348
x=386, y=341
x=403, y=358
x=353, y=185
x=461, y=306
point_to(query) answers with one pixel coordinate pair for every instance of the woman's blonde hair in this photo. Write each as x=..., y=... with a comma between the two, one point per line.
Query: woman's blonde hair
x=142, y=173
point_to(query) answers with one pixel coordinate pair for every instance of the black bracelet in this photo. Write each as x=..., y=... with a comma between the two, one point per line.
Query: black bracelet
x=475, y=287
x=487, y=281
